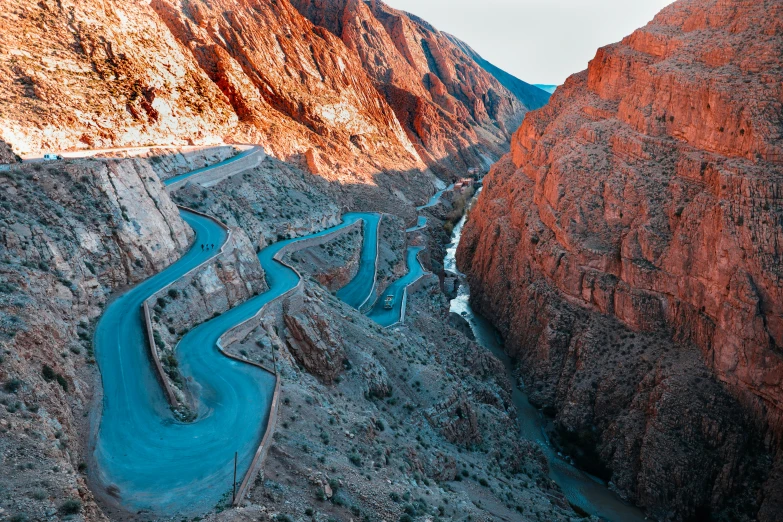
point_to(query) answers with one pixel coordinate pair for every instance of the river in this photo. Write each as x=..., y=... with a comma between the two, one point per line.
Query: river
x=581, y=489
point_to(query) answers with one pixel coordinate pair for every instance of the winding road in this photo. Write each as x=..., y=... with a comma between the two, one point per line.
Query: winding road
x=147, y=458
x=361, y=288
x=151, y=460
x=154, y=463
x=398, y=289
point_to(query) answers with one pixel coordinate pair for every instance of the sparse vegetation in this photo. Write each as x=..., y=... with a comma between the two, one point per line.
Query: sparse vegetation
x=13, y=385
x=71, y=507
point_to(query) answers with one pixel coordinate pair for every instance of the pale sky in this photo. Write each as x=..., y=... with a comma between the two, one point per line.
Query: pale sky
x=539, y=41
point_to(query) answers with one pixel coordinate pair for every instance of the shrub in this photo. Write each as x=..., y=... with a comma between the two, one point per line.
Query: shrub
x=173, y=293
x=38, y=494
x=71, y=507
x=62, y=382
x=13, y=385
x=355, y=459
x=48, y=373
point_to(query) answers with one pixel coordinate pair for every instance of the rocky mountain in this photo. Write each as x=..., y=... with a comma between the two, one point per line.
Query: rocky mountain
x=365, y=90
x=548, y=88
x=456, y=110
x=629, y=248
x=532, y=96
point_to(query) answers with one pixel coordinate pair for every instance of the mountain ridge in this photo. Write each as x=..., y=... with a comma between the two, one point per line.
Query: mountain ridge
x=176, y=72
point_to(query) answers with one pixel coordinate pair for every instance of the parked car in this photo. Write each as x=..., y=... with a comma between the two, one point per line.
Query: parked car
x=52, y=157
x=388, y=304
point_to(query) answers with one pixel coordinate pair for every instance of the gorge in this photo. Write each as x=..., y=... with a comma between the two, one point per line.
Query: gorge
x=317, y=260
x=628, y=248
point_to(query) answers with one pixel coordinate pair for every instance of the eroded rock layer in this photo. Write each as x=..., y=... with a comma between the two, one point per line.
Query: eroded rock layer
x=637, y=222
x=456, y=113
x=387, y=94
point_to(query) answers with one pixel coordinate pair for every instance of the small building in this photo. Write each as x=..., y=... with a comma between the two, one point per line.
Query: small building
x=464, y=183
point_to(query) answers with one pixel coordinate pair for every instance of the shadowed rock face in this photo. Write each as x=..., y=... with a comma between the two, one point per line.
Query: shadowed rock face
x=6, y=154
x=456, y=113
x=636, y=222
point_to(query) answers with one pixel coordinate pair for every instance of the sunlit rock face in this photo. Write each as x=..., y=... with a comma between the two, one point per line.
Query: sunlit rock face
x=95, y=74
x=371, y=89
x=637, y=222
x=456, y=113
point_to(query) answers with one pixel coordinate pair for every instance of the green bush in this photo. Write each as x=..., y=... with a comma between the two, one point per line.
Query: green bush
x=71, y=507
x=13, y=385
x=48, y=373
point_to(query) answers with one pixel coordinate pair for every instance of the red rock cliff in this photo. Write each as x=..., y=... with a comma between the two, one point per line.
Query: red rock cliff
x=387, y=94
x=99, y=74
x=456, y=113
x=631, y=250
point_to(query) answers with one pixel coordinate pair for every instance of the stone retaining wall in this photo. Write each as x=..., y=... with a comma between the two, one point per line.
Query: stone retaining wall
x=160, y=374
x=414, y=286
x=154, y=357
x=217, y=174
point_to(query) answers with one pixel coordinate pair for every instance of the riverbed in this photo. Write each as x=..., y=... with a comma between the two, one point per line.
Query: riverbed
x=581, y=489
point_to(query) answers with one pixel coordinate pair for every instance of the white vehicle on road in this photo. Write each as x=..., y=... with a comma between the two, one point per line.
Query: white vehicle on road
x=52, y=157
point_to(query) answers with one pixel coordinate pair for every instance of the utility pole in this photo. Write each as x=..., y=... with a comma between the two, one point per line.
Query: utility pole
x=234, y=494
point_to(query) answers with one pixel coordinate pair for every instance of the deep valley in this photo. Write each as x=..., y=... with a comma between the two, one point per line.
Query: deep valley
x=318, y=260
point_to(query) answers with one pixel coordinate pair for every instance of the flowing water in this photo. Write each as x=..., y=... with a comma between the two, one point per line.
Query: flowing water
x=582, y=490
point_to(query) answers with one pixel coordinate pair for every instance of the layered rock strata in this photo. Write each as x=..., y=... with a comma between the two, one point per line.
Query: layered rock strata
x=455, y=112
x=636, y=223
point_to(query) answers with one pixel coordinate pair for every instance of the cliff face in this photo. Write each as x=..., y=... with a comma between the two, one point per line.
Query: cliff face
x=638, y=221
x=90, y=74
x=456, y=113
x=98, y=74
x=69, y=235
x=388, y=94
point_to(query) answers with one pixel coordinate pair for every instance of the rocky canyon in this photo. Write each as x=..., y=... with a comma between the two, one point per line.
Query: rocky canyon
x=228, y=287
x=629, y=249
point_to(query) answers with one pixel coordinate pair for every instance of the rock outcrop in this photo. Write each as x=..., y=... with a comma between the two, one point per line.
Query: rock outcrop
x=315, y=343
x=70, y=234
x=77, y=75
x=637, y=222
x=7, y=156
x=455, y=112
